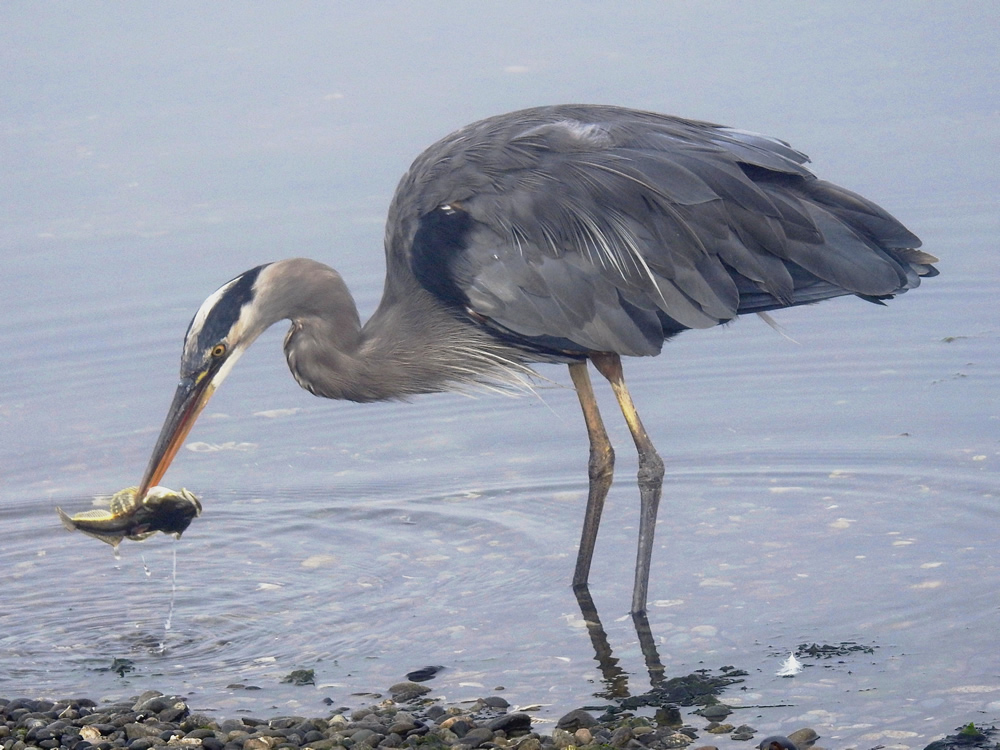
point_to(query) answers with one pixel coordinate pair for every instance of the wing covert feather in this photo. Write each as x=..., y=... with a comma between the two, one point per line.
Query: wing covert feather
x=605, y=229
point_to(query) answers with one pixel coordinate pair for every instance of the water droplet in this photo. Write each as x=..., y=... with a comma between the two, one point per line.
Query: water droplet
x=173, y=590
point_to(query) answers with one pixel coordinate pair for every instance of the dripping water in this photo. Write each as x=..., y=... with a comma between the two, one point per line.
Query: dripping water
x=168, y=623
x=173, y=590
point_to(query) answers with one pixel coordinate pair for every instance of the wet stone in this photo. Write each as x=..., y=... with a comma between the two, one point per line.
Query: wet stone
x=200, y=733
x=562, y=739
x=138, y=731
x=511, y=723
x=677, y=739
x=803, y=738
x=716, y=728
x=361, y=735
x=476, y=737
x=286, y=722
x=575, y=720
x=715, y=712
x=743, y=732
x=621, y=736
x=404, y=692
x=402, y=726
x=424, y=674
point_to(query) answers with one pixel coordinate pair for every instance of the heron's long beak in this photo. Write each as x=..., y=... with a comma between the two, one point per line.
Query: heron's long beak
x=190, y=398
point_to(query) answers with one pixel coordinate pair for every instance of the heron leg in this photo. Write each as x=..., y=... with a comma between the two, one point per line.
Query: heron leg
x=650, y=474
x=600, y=469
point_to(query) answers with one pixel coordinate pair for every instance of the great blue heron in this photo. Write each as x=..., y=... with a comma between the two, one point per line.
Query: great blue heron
x=558, y=234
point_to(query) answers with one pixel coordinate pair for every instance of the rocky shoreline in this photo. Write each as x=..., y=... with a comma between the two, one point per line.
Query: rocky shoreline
x=153, y=721
x=407, y=720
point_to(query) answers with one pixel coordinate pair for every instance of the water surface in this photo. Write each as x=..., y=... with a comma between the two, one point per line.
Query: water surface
x=840, y=488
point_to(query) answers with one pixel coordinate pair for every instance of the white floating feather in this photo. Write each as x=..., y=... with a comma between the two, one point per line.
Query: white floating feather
x=790, y=667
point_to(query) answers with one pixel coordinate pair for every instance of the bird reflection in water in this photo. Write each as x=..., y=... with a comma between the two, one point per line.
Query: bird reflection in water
x=615, y=678
x=665, y=694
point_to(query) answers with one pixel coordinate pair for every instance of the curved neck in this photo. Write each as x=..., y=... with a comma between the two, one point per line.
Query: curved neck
x=411, y=344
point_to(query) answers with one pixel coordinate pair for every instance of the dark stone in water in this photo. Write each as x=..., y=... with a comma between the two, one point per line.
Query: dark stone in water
x=404, y=692
x=779, y=742
x=300, y=677
x=743, y=732
x=423, y=674
x=511, y=723
x=575, y=720
x=829, y=651
x=476, y=737
x=803, y=738
x=121, y=666
x=969, y=737
x=669, y=716
x=715, y=712
x=696, y=689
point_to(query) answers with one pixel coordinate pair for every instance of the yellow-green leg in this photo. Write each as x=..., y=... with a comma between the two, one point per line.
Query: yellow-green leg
x=650, y=474
x=600, y=469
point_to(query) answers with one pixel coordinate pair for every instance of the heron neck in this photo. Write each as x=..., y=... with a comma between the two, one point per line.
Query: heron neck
x=409, y=346
x=412, y=344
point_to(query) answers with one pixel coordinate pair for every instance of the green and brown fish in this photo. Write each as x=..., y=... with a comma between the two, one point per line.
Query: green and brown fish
x=161, y=509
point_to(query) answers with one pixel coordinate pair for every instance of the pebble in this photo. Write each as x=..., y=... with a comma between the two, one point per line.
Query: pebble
x=743, y=732
x=803, y=738
x=575, y=720
x=715, y=712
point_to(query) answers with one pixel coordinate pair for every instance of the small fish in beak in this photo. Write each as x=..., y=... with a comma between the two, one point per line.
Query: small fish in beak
x=127, y=517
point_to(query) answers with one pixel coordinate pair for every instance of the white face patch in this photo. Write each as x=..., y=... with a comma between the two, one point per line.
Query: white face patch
x=198, y=322
x=227, y=366
x=230, y=316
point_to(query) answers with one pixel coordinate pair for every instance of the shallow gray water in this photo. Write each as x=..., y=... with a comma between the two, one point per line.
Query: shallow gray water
x=842, y=488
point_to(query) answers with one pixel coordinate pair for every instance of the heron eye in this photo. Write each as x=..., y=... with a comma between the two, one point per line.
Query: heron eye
x=218, y=350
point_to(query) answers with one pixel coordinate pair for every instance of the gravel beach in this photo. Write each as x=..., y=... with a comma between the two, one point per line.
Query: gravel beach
x=407, y=720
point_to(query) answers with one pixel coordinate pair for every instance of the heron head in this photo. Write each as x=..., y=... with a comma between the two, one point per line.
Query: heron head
x=222, y=329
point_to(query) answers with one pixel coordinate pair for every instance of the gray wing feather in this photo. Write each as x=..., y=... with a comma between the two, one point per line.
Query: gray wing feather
x=613, y=229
